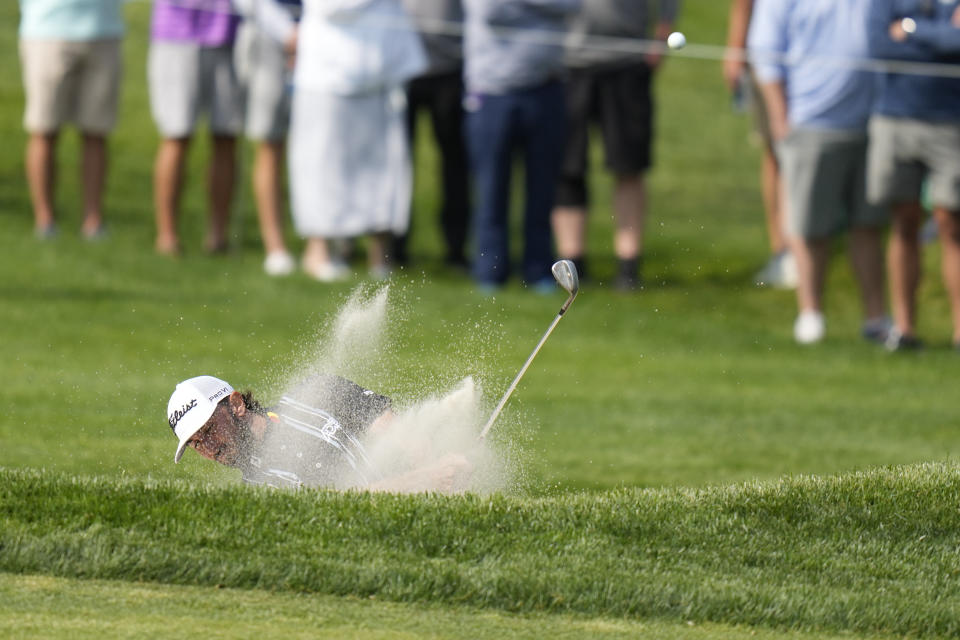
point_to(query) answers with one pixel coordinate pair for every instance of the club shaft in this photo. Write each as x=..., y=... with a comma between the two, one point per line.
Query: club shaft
x=513, y=385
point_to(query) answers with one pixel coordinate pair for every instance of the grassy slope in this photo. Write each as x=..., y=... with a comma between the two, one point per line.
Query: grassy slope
x=53, y=608
x=869, y=553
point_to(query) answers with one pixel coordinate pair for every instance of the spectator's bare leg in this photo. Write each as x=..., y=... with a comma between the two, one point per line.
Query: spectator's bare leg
x=630, y=211
x=903, y=264
x=949, y=226
x=316, y=252
x=569, y=231
x=41, y=175
x=93, y=177
x=378, y=251
x=866, y=257
x=812, y=255
x=268, y=191
x=770, y=186
x=167, y=185
x=223, y=172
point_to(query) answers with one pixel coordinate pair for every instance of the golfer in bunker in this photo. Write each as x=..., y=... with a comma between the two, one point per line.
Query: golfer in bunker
x=312, y=438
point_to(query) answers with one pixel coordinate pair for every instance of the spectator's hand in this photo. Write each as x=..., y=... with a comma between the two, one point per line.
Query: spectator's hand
x=732, y=71
x=653, y=58
x=955, y=20
x=897, y=34
x=290, y=47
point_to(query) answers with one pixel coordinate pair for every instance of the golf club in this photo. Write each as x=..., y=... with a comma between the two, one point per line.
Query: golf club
x=565, y=273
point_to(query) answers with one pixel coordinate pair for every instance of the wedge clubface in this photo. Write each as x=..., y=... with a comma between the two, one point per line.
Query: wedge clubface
x=565, y=273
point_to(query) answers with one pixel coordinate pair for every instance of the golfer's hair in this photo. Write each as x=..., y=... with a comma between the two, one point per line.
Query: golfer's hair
x=249, y=401
x=252, y=403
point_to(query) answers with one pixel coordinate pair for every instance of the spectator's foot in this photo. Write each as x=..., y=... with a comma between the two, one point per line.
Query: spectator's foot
x=809, y=327
x=279, y=263
x=167, y=246
x=780, y=272
x=45, y=232
x=93, y=228
x=331, y=271
x=876, y=330
x=215, y=246
x=628, y=274
x=544, y=286
x=898, y=341
x=488, y=288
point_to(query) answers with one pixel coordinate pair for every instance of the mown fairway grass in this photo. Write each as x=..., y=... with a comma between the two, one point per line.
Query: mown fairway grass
x=870, y=552
x=694, y=384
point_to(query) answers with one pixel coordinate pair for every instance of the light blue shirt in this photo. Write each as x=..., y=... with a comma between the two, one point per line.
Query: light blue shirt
x=810, y=46
x=71, y=19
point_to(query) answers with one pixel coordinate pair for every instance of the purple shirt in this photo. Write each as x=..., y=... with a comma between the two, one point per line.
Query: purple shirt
x=209, y=23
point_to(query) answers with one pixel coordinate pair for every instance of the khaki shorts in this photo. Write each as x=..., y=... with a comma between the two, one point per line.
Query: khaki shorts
x=187, y=80
x=824, y=180
x=904, y=153
x=67, y=81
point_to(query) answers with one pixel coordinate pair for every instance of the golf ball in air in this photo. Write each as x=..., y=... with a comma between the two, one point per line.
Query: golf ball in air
x=676, y=40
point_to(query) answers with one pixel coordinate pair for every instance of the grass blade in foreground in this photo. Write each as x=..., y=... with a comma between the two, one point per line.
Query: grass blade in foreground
x=866, y=552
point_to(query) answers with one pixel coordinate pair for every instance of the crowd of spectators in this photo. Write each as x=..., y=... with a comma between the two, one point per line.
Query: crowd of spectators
x=333, y=89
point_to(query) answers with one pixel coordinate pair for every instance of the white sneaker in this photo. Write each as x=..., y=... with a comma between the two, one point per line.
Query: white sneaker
x=327, y=271
x=279, y=263
x=809, y=327
x=779, y=272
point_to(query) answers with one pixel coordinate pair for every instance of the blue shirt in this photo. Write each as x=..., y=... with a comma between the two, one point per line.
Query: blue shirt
x=78, y=20
x=811, y=46
x=922, y=97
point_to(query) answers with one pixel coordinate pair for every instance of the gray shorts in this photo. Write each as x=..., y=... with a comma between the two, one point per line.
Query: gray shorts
x=904, y=152
x=824, y=176
x=67, y=81
x=262, y=71
x=187, y=80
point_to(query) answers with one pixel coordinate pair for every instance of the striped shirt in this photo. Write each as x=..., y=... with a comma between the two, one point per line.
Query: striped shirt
x=314, y=437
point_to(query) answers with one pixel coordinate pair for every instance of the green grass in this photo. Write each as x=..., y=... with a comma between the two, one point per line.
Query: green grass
x=692, y=389
x=871, y=552
x=41, y=606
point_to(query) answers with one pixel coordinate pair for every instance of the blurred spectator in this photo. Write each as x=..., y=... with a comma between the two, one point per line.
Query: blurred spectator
x=514, y=101
x=265, y=43
x=818, y=114
x=71, y=59
x=190, y=72
x=440, y=93
x=915, y=136
x=613, y=90
x=780, y=270
x=349, y=152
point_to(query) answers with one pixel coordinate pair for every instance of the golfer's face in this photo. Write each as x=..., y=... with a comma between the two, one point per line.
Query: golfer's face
x=219, y=439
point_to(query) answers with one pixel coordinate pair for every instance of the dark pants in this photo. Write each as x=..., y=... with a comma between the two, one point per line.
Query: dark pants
x=531, y=121
x=442, y=97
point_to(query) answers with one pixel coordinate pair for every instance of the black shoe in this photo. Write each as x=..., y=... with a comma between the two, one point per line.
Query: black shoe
x=897, y=341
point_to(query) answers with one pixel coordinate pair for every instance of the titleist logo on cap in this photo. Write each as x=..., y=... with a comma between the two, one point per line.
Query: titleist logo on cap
x=178, y=414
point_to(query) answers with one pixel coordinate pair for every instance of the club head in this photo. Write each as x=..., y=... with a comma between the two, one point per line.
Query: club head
x=565, y=273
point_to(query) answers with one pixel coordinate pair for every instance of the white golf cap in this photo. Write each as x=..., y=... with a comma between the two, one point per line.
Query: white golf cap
x=192, y=404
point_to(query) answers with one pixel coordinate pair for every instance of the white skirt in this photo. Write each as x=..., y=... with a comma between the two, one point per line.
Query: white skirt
x=349, y=163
